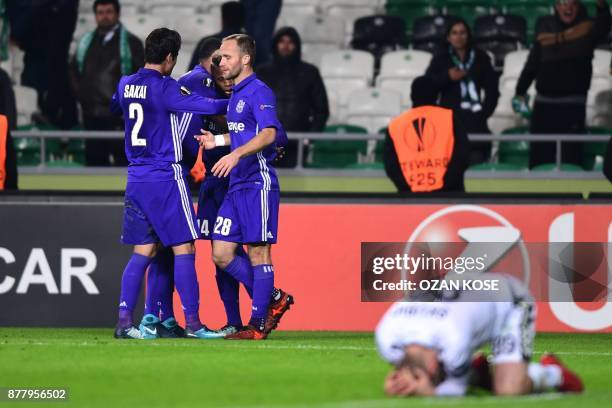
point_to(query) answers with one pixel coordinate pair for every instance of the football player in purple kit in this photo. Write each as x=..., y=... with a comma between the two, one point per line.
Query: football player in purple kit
x=249, y=213
x=157, y=205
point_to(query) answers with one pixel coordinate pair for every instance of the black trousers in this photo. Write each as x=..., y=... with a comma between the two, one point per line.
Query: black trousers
x=553, y=118
x=104, y=152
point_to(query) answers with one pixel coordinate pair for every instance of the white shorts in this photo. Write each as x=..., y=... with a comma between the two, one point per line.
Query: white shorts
x=514, y=342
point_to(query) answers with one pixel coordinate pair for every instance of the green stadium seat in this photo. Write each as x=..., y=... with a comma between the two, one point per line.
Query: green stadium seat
x=63, y=163
x=516, y=153
x=54, y=149
x=27, y=150
x=592, y=150
x=497, y=167
x=335, y=153
x=367, y=166
x=410, y=10
x=553, y=167
x=469, y=10
x=76, y=150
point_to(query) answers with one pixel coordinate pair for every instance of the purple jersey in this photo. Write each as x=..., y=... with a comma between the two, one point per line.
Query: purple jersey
x=154, y=127
x=200, y=82
x=252, y=108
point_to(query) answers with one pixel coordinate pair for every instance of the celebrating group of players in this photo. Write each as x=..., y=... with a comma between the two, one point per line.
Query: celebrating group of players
x=221, y=106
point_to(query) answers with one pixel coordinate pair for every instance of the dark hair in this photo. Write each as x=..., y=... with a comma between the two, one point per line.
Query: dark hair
x=232, y=15
x=423, y=92
x=245, y=43
x=115, y=3
x=208, y=47
x=453, y=22
x=161, y=42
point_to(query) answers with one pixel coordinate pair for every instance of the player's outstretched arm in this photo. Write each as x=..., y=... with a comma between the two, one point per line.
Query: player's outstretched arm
x=209, y=141
x=180, y=99
x=263, y=139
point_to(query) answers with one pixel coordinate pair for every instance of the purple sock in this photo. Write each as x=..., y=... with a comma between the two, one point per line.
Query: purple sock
x=160, y=285
x=263, y=284
x=242, y=253
x=186, y=282
x=228, y=290
x=131, y=283
x=240, y=268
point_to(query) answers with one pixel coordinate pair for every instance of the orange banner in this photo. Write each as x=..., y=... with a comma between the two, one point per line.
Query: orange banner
x=318, y=257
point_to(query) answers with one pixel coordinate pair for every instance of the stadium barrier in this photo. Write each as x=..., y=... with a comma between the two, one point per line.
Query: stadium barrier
x=304, y=138
x=61, y=260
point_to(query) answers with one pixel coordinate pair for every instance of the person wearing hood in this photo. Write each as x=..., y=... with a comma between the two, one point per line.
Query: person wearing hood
x=560, y=62
x=300, y=92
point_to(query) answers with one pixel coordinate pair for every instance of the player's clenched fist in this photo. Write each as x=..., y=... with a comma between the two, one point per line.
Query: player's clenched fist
x=206, y=139
x=225, y=164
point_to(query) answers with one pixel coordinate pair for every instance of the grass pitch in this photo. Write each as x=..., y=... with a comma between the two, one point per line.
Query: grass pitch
x=290, y=369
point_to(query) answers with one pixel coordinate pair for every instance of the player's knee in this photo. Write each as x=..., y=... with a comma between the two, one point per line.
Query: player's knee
x=259, y=255
x=221, y=257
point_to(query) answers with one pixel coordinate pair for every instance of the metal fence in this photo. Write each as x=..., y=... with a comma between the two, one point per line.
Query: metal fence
x=304, y=138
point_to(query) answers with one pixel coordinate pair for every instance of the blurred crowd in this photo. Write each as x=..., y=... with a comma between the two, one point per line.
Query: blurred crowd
x=74, y=89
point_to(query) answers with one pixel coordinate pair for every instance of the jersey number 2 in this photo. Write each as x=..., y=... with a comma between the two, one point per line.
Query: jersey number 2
x=135, y=110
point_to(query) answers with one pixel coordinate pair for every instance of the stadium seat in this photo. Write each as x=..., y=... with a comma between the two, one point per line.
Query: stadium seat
x=603, y=109
x=373, y=108
x=530, y=9
x=513, y=65
x=594, y=152
x=27, y=150
x=176, y=8
x=193, y=28
x=504, y=117
x=182, y=62
x=553, y=167
x=337, y=153
x=76, y=151
x=336, y=113
x=410, y=10
x=500, y=35
x=349, y=10
x=428, y=32
x=346, y=70
x=295, y=13
x=26, y=99
x=469, y=10
x=323, y=30
x=141, y=25
x=514, y=152
x=399, y=68
x=86, y=6
x=379, y=34
x=314, y=53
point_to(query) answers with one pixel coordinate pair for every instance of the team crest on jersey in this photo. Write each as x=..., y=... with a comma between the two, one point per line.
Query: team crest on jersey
x=185, y=91
x=208, y=82
x=240, y=106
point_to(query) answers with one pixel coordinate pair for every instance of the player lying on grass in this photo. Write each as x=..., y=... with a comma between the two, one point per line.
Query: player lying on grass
x=157, y=205
x=431, y=345
x=205, y=79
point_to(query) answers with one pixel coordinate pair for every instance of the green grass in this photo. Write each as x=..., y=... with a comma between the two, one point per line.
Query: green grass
x=290, y=369
x=327, y=184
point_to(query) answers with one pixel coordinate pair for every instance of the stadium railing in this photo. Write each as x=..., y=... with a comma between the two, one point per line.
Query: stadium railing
x=300, y=170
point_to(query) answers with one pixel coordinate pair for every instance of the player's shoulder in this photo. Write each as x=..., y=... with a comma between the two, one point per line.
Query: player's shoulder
x=261, y=90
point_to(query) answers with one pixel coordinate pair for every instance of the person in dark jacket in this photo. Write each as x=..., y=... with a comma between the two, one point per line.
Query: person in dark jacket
x=424, y=95
x=101, y=58
x=461, y=73
x=232, y=22
x=43, y=29
x=300, y=93
x=8, y=108
x=560, y=63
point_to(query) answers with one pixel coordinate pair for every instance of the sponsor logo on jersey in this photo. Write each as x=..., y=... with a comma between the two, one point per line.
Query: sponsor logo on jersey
x=185, y=91
x=262, y=107
x=235, y=126
x=240, y=106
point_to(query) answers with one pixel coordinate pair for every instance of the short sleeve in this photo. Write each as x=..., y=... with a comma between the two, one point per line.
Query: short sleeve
x=264, y=109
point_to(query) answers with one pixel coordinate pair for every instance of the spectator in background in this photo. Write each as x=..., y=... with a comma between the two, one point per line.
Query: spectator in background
x=43, y=30
x=8, y=121
x=232, y=22
x=300, y=93
x=426, y=148
x=560, y=63
x=101, y=58
x=462, y=73
x=260, y=17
